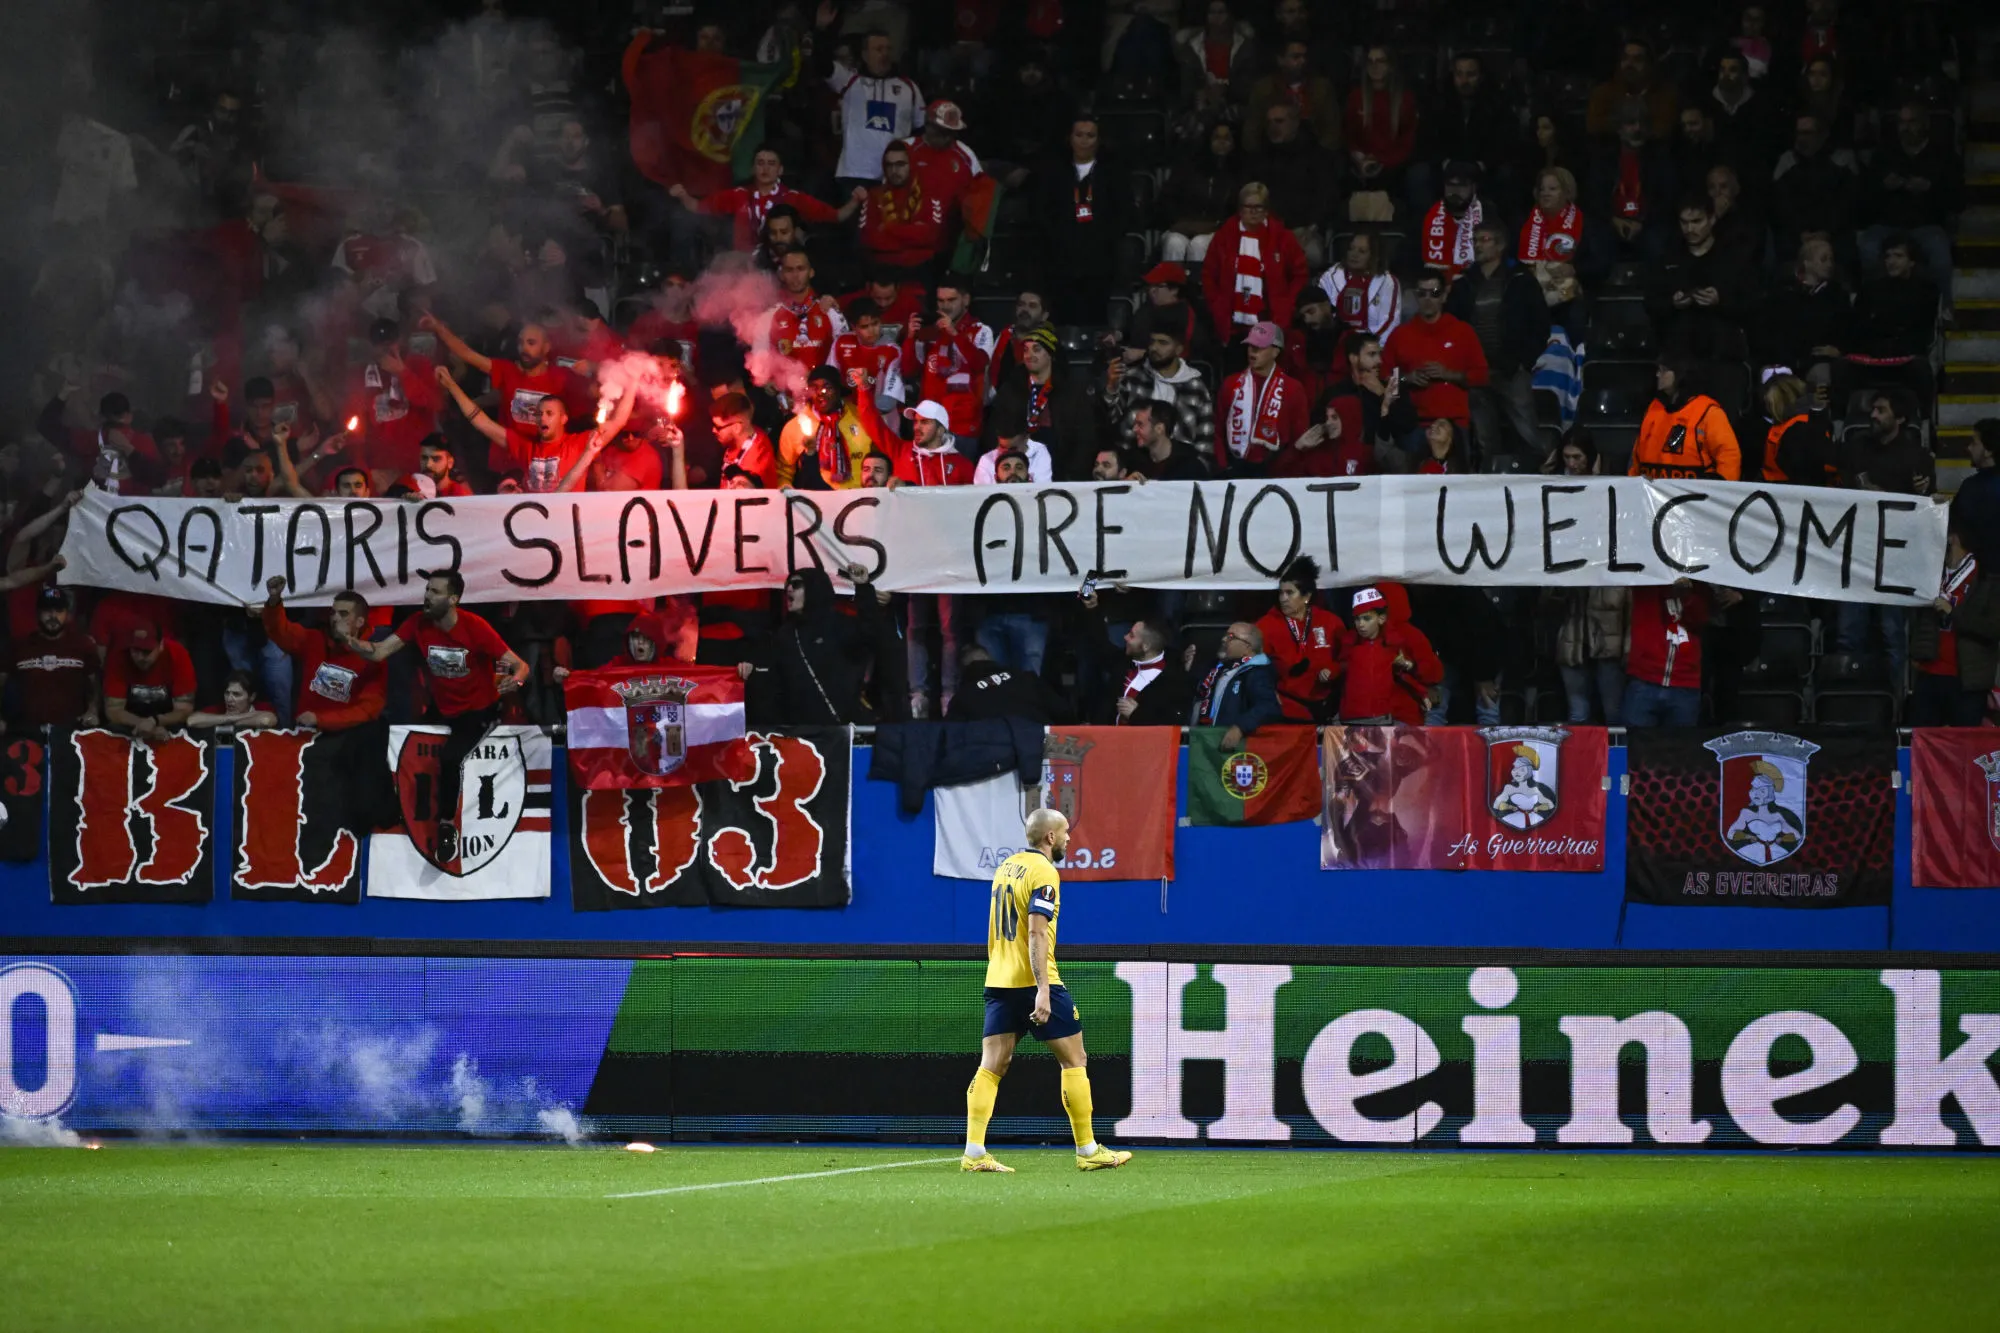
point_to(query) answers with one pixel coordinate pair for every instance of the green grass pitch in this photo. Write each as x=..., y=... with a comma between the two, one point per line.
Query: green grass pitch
x=307, y=1238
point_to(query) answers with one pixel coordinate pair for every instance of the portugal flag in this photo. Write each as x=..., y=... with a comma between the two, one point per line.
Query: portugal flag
x=1272, y=778
x=696, y=117
x=668, y=724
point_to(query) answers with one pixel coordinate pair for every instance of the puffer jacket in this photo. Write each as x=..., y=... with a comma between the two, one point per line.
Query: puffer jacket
x=1596, y=625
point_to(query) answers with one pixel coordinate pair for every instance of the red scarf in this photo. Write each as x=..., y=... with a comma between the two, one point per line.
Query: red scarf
x=1554, y=238
x=1038, y=405
x=1254, y=413
x=899, y=207
x=1448, y=240
x=1250, y=271
x=1628, y=197
x=1151, y=668
x=834, y=464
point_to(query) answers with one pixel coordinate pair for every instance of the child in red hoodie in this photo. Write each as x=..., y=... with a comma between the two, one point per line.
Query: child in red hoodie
x=1386, y=668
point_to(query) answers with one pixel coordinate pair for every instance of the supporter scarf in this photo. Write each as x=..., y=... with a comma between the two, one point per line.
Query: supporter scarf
x=1350, y=299
x=943, y=360
x=1628, y=196
x=1249, y=307
x=1038, y=405
x=1958, y=580
x=1137, y=677
x=1448, y=240
x=896, y=207
x=1208, y=683
x=834, y=464
x=1554, y=239
x=760, y=205
x=1254, y=412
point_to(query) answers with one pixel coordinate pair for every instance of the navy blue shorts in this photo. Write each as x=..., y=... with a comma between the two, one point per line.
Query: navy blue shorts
x=1008, y=1009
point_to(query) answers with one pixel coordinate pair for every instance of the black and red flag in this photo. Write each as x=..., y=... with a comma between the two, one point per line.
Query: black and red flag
x=1760, y=818
x=305, y=803
x=778, y=839
x=130, y=822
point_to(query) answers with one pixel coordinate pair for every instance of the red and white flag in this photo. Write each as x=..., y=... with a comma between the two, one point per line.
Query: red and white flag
x=665, y=725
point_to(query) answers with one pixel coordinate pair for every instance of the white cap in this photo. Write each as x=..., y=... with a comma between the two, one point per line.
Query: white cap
x=930, y=410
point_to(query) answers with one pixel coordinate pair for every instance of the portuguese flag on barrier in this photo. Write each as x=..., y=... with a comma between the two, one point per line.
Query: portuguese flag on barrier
x=1272, y=779
x=697, y=118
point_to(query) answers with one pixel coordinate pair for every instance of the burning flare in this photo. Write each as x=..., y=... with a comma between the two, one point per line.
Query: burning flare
x=676, y=392
x=353, y=424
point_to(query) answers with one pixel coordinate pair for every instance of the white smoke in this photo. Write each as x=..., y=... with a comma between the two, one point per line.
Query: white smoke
x=743, y=299
x=382, y=1074
x=489, y=1111
x=20, y=1132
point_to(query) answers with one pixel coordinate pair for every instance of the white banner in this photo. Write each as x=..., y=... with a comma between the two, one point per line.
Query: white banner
x=502, y=817
x=1525, y=531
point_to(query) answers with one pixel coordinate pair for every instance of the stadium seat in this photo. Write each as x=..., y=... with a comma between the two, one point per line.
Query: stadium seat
x=1145, y=194
x=1622, y=331
x=1728, y=383
x=1872, y=709
x=1205, y=637
x=1614, y=447
x=996, y=312
x=1626, y=281
x=1769, y=708
x=1132, y=258
x=1136, y=138
x=1615, y=393
x=1841, y=671
x=1548, y=409
x=1784, y=654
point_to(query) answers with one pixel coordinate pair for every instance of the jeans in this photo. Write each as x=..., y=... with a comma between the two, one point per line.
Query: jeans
x=467, y=730
x=1178, y=249
x=1933, y=253
x=265, y=660
x=1016, y=639
x=943, y=612
x=1650, y=705
x=1851, y=635
x=1508, y=399
x=1607, y=678
x=1485, y=713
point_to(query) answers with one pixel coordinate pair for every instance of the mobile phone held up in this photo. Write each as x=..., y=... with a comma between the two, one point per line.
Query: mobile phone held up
x=1089, y=588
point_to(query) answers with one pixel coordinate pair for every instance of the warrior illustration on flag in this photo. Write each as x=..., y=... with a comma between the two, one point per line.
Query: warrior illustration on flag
x=1989, y=765
x=1763, y=802
x=1523, y=766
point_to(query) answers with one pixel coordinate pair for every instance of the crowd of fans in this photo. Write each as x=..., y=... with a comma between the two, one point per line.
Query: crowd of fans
x=1002, y=243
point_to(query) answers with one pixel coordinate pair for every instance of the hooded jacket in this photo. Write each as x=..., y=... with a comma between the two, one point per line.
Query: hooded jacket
x=821, y=654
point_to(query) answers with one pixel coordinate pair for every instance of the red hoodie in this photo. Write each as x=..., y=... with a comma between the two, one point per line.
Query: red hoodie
x=951, y=371
x=1375, y=686
x=1666, y=642
x=1313, y=646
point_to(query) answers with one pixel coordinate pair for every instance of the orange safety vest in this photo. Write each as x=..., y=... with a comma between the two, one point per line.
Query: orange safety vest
x=1772, y=471
x=1693, y=440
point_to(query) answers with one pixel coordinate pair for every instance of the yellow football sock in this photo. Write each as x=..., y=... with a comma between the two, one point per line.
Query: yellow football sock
x=1076, y=1101
x=979, y=1097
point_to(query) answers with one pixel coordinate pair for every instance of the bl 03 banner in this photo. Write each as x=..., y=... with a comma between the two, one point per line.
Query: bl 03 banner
x=1760, y=818
x=130, y=822
x=1463, y=798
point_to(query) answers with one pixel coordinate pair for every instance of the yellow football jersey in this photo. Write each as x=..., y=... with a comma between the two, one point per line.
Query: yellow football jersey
x=1026, y=883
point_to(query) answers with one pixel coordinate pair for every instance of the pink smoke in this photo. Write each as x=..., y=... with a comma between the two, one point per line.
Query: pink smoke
x=744, y=299
x=636, y=372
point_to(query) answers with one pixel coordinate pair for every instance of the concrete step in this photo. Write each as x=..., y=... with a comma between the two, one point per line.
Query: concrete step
x=1951, y=442
x=1961, y=348
x=1973, y=252
x=1976, y=316
x=1977, y=377
x=1963, y=409
x=1951, y=474
x=1982, y=221
x=1982, y=191
x=1975, y=284
x=1982, y=159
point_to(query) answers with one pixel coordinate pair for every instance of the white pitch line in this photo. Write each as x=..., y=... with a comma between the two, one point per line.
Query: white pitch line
x=777, y=1180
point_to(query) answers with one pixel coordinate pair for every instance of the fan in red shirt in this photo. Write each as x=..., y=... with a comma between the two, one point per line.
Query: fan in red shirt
x=902, y=225
x=395, y=403
x=1303, y=642
x=802, y=327
x=1255, y=268
x=461, y=658
x=338, y=688
x=436, y=461
x=521, y=384
x=748, y=205
x=947, y=358
x=941, y=162
x=1260, y=410
x=743, y=445
x=864, y=349
x=932, y=457
x=669, y=319
x=1439, y=357
x=54, y=669
x=121, y=458
x=550, y=456
x=239, y=707
x=901, y=303
x=148, y=682
x=1386, y=668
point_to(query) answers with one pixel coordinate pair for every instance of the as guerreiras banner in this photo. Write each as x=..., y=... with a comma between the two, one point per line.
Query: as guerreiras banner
x=778, y=839
x=130, y=822
x=1760, y=818
x=1540, y=532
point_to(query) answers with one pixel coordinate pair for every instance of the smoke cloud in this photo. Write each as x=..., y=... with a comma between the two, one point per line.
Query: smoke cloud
x=18, y=1132
x=741, y=299
x=503, y=1112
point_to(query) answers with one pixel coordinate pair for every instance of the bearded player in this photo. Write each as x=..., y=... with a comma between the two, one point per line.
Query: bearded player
x=1024, y=993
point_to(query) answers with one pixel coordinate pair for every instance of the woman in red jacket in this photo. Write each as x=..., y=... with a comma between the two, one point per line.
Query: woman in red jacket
x=1303, y=642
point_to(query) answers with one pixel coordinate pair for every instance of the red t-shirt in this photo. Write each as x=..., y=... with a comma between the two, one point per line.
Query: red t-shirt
x=618, y=469
x=53, y=676
x=1452, y=344
x=543, y=466
x=151, y=692
x=520, y=394
x=459, y=662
